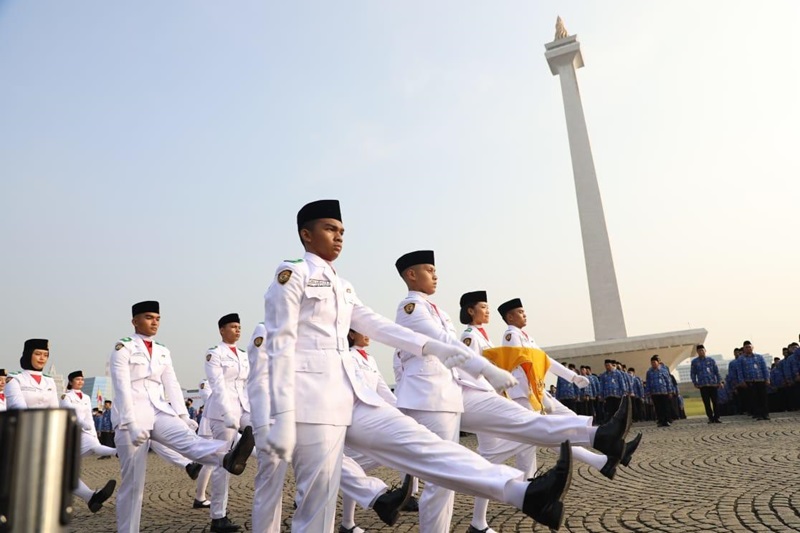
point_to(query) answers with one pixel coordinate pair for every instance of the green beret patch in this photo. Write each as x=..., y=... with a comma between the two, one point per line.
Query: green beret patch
x=119, y=346
x=258, y=341
x=284, y=276
x=409, y=308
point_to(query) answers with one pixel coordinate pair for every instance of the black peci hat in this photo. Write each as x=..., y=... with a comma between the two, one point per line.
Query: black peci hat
x=149, y=306
x=510, y=305
x=228, y=319
x=420, y=257
x=317, y=210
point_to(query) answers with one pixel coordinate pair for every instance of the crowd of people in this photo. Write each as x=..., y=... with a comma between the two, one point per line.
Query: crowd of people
x=267, y=402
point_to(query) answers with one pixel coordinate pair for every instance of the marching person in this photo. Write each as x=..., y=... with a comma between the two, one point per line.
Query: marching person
x=513, y=314
x=228, y=409
x=449, y=400
x=659, y=387
x=309, y=310
x=31, y=389
x=705, y=376
x=204, y=430
x=75, y=399
x=140, y=370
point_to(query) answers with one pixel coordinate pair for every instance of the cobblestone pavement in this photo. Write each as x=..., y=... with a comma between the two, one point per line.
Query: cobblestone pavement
x=738, y=476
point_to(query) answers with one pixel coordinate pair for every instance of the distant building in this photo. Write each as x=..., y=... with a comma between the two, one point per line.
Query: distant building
x=61, y=383
x=684, y=369
x=99, y=389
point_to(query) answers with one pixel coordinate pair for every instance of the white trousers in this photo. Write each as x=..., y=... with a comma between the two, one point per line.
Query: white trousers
x=220, y=478
x=91, y=444
x=595, y=460
x=356, y=485
x=168, y=454
x=268, y=494
x=170, y=431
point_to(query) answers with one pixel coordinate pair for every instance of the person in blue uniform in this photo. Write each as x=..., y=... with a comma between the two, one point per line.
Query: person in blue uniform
x=705, y=376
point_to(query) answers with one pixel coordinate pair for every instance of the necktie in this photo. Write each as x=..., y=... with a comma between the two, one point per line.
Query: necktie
x=526, y=335
x=233, y=349
x=2, y=396
x=80, y=395
x=363, y=353
x=37, y=378
x=149, y=345
x=435, y=309
x=483, y=332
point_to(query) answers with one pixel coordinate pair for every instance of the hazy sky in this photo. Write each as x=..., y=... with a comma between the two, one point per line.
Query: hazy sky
x=160, y=150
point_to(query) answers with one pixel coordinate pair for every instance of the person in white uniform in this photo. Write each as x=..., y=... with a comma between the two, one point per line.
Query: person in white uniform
x=74, y=398
x=513, y=314
x=3, y=378
x=309, y=310
x=227, y=410
x=140, y=370
x=447, y=401
x=31, y=389
x=475, y=314
x=204, y=430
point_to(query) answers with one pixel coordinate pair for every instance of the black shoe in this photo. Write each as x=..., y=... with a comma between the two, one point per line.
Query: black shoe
x=412, y=506
x=717, y=421
x=193, y=469
x=205, y=504
x=223, y=525
x=545, y=494
x=473, y=529
x=388, y=504
x=97, y=499
x=343, y=529
x=610, y=468
x=610, y=437
x=630, y=448
x=236, y=459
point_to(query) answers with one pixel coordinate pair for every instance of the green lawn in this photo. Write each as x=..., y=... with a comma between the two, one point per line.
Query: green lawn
x=693, y=406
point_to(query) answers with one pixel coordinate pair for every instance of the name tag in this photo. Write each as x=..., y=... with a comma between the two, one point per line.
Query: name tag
x=318, y=283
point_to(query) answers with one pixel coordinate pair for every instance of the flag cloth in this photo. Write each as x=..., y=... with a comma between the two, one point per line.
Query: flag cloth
x=534, y=363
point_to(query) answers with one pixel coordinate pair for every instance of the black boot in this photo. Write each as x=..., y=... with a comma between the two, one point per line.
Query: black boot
x=388, y=504
x=545, y=494
x=630, y=448
x=223, y=525
x=610, y=468
x=610, y=437
x=193, y=469
x=236, y=459
x=97, y=499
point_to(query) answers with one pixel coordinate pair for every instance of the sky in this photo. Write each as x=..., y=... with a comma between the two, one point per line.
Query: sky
x=161, y=150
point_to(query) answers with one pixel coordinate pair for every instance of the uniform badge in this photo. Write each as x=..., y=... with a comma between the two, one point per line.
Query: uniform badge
x=284, y=276
x=258, y=341
x=119, y=346
x=409, y=308
x=208, y=357
x=468, y=341
x=63, y=396
x=508, y=336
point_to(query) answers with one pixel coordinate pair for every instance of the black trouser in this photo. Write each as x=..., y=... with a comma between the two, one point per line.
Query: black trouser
x=743, y=400
x=662, y=407
x=638, y=409
x=758, y=399
x=709, y=395
x=612, y=404
x=106, y=438
x=569, y=403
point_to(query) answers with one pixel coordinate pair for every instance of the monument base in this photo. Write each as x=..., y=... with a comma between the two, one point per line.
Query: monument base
x=672, y=348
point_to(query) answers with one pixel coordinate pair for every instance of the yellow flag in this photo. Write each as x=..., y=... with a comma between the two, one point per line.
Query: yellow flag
x=533, y=361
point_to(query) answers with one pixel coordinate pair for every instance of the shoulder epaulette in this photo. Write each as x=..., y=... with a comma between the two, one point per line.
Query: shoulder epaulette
x=292, y=260
x=159, y=344
x=212, y=348
x=126, y=339
x=467, y=330
x=239, y=349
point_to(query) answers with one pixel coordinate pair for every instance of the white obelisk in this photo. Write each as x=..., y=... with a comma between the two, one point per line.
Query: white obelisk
x=564, y=56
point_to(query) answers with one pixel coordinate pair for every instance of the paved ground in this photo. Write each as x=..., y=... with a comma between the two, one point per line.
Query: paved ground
x=735, y=477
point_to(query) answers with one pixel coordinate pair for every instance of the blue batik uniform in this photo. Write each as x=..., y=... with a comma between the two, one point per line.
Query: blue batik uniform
x=612, y=384
x=638, y=388
x=565, y=390
x=704, y=372
x=658, y=381
x=752, y=368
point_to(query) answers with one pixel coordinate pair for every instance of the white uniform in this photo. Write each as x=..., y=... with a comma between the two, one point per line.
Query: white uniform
x=482, y=410
x=309, y=311
x=227, y=369
x=204, y=429
x=25, y=392
x=514, y=336
x=82, y=405
x=2, y=400
x=138, y=378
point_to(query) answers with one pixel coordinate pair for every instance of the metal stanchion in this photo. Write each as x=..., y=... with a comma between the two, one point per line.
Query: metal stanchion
x=39, y=469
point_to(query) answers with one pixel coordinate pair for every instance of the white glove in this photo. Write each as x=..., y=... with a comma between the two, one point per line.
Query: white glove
x=581, y=381
x=229, y=421
x=191, y=424
x=282, y=436
x=138, y=435
x=449, y=354
x=498, y=378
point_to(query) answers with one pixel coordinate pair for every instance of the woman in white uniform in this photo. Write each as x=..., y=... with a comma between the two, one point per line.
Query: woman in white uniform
x=75, y=399
x=30, y=389
x=3, y=378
